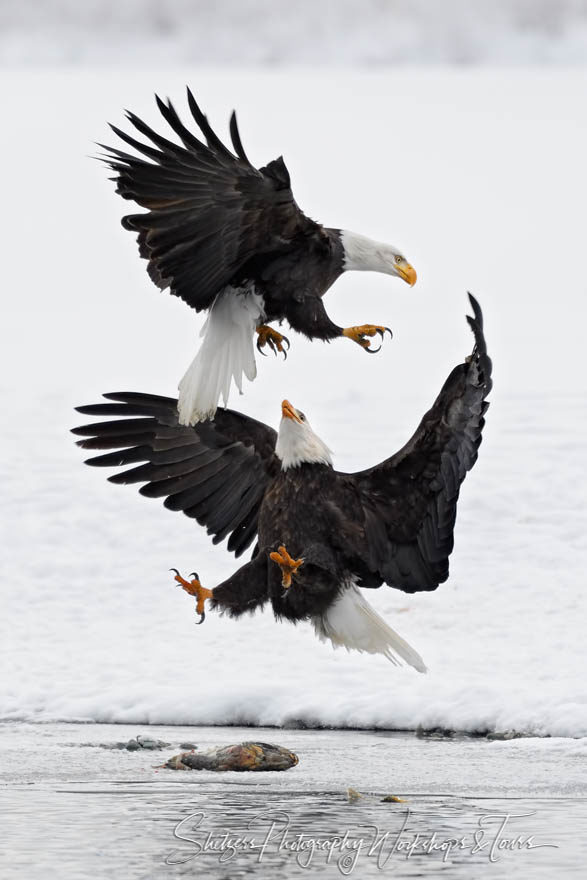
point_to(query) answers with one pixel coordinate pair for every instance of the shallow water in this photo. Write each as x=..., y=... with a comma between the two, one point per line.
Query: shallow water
x=516, y=809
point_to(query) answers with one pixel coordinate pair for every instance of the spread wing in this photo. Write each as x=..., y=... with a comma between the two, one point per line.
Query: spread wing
x=209, y=210
x=409, y=501
x=215, y=471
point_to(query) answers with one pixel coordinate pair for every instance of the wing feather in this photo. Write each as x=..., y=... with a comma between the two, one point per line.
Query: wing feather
x=236, y=139
x=214, y=142
x=189, y=140
x=209, y=211
x=215, y=472
x=409, y=501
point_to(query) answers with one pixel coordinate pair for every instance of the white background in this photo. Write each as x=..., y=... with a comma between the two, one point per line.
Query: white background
x=478, y=175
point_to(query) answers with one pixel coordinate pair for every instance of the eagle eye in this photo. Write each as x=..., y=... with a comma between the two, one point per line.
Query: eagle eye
x=399, y=259
x=302, y=416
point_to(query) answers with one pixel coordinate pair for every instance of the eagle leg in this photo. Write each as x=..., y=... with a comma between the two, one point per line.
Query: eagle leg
x=194, y=588
x=360, y=334
x=272, y=338
x=288, y=565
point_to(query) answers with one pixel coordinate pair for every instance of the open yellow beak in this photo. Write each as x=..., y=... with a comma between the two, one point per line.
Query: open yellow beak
x=289, y=412
x=408, y=273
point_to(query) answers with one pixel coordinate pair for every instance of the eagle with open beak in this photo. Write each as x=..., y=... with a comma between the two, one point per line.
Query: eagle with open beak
x=321, y=536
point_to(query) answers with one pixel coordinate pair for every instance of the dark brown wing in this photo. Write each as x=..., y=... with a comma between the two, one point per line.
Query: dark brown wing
x=409, y=501
x=209, y=211
x=215, y=471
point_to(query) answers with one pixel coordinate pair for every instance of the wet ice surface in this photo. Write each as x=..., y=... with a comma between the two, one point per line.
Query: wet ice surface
x=86, y=812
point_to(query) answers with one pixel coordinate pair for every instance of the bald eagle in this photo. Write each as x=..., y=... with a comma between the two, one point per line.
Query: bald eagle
x=229, y=239
x=321, y=534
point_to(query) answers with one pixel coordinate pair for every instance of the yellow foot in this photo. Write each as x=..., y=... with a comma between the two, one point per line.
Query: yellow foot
x=287, y=565
x=194, y=588
x=360, y=334
x=275, y=341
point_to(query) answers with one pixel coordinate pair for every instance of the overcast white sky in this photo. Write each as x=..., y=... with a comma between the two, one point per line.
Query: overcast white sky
x=282, y=32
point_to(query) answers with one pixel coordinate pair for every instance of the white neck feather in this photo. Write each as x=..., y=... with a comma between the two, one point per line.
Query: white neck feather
x=297, y=444
x=364, y=254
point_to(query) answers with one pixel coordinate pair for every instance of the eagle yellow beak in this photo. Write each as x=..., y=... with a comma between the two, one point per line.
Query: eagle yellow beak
x=407, y=272
x=289, y=412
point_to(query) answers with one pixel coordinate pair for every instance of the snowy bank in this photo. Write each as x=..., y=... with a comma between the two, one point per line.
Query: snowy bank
x=483, y=190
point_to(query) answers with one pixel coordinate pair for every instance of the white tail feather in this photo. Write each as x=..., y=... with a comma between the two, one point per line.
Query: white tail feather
x=354, y=624
x=226, y=354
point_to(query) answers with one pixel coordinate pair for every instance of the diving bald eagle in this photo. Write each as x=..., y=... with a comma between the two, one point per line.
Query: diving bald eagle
x=229, y=238
x=321, y=534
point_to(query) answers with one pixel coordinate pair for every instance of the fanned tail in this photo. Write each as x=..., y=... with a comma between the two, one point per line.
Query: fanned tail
x=354, y=624
x=226, y=354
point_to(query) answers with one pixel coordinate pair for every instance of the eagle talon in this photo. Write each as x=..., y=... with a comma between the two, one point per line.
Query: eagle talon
x=194, y=588
x=272, y=338
x=359, y=335
x=288, y=565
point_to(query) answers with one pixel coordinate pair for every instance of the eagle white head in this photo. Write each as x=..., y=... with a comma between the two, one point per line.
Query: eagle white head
x=364, y=254
x=296, y=442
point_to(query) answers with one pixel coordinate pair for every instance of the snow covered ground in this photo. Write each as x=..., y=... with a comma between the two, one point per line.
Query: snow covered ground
x=480, y=178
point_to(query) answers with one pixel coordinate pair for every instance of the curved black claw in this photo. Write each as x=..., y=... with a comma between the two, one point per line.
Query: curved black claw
x=373, y=350
x=176, y=571
x=384, y=331
x=275, y=349
x=261, y=343
x=202, y=618
x=195, y=575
